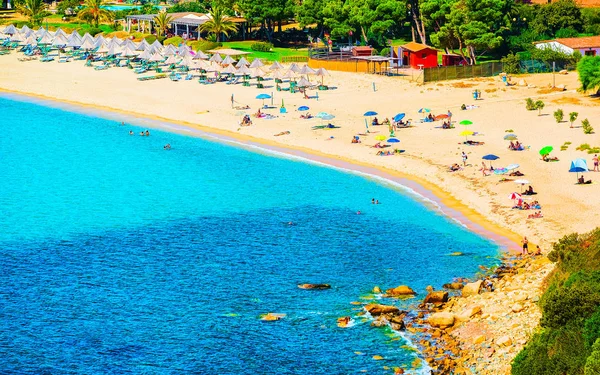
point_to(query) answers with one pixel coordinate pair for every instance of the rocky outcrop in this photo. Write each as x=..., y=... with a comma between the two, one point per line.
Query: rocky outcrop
x=385, y=315
x=314, y=286
x=471, y=289
x=436, y=297
x=441, y=319
x=400, y=291
x=453, y=286
x=376, y=309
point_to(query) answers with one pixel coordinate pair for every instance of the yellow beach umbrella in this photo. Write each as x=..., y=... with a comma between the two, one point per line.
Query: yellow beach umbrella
x=380, y=137
x=466, y=133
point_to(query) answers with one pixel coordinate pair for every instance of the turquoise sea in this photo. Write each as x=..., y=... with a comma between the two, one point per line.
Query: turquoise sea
x=120, y=257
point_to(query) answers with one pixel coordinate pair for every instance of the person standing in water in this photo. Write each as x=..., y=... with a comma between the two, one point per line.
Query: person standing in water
x=525, y=243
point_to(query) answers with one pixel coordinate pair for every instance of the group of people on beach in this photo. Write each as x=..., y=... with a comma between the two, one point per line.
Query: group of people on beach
x=515, y=146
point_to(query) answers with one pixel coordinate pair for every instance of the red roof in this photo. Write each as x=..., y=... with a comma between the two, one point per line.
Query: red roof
x=580, y=43
x=416, y=47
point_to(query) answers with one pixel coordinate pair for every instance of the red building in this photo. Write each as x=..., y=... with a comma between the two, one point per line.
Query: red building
x=419, y=55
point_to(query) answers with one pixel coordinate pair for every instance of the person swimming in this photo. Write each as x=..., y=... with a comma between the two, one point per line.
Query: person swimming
x=167, y=146
x=147, y=133
x=131, y=132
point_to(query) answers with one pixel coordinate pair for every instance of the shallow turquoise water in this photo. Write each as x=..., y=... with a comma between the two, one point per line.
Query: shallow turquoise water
x=117, y=256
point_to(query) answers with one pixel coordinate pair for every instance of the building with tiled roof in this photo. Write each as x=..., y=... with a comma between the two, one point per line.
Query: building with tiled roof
x=587, y=46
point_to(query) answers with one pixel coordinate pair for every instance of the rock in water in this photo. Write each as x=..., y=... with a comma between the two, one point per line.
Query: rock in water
x=400, y=291
x=314, y=286
x=376, y=290
x=376, y=309
x=441, y=319
x=272, y=317
x=471, y=289
x=436, y=297
x=454, y=286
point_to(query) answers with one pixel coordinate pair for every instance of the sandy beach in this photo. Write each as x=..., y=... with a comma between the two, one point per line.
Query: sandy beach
x=429, y=149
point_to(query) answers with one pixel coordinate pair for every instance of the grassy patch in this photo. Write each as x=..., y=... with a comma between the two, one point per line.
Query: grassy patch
x=276, y=54
x=588, y=148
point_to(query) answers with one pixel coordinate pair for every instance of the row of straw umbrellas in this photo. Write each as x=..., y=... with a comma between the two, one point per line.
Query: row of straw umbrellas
x=155, y=52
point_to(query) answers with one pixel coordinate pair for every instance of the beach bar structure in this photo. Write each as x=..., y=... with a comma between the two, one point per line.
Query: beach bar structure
x=182, y=23
x=418, y=56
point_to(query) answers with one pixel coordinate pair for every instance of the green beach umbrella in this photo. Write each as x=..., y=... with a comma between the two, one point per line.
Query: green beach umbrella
x=466, y=122
x=546, y=150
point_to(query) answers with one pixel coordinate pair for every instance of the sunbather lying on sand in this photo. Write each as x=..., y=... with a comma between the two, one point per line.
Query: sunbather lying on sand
x=473, y=143
x=377, y=145
x=536, y=215
x=306, y=116
x=516, y=173
x=282, y=133
x=455, y=167
x=385, y=153
x=355, y=139
x=548, y=158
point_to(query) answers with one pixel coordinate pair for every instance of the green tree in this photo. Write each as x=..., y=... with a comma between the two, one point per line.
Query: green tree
x=161, y=22
x=187, y=6
x=311, y=12
x=473, y=25
x=559, y=115
x=530, y=104
x=94, y=12
x=539, y=105
x=373, y=17
x=562, y=14
x=589, y=73
x=219, y=23
x=573, y=117
x=592, y=363
x=34, y=10
x=512, y=64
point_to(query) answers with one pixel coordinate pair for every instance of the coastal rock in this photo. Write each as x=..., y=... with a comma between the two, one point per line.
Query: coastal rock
x=436, y=297
x=468, y=313
x=479, y=339
x=377, y=357
x=376, y=309
x=314, y=286
x=344, y=321
x=522, y=83
x=377, y=290
x=503, y=341
x=398, y=371
x=400, y=291
x=429, y=289
x=471, y=289
x=441, y=319
x=517, y=307
x=453, y=286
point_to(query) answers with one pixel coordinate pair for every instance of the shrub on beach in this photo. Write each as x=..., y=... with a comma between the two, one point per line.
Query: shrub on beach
x=573, y=117
x=150, y=38
x=587, y=128
x=530, y=104
x=559, y=115
x=93, y=31
x=261, y=47
x=512, y=64
x=539, y=105
x=176, y=40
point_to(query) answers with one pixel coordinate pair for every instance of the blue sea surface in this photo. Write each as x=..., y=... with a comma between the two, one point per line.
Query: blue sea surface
x=120, y=257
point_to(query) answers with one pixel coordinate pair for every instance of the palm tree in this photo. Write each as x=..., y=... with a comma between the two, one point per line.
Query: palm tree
x=219, y=23
x=162, y=21
x=35, y=10
x=94, y=12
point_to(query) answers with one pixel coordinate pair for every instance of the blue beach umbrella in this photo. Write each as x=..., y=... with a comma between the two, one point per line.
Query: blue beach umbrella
x=399, y=117
x=393, y=140
x=370, y=113
x=321, y=114
x=263, y=97
x=490, y=157
x=303, y=108
x=578, y=166
x=424, y=110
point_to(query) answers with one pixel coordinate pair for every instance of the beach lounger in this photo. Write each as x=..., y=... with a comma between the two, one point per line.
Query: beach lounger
x=233, y=82
x=64, y=59
x=174, y=77
x=47, y=59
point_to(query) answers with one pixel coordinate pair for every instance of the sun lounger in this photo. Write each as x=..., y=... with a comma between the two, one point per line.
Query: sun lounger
x=189, y=77
x=64, y=59
x=233, y=82
x=101, y=67
x=140, y=70
x=47, y=59
x=151, y=78
x=174, y=77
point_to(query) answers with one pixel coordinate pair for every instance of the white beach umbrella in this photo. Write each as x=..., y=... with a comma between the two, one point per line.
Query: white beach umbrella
x=244, y=70
x=60, y=32
x=200, y=56
x=27, y=33
x=258, y=73
x=99, y=42
x=17, y=37
x=128, y=51
x=307, y=70
x=114, y=49
x=185, y=53
x=144, y=45
x=116, y=40
x=230, y=69
x=10, y=30
x=276, y=66
x=216, y=58
x=228, y=60
x=130, y=43
x=59, y=40
x=46, y=39
x=242, y=62
x=145, y=55
x=290, y=74
x=257, y=63
x=183, y=49
x=103, y=49
x=294, y=68
x=25, y=29
x=322, y=72
x=74, y=33
x=73, y=42
x=31, y=40
x=303, y=82
x=87, y=44
x=187, y=61
x=213, y=67
x=40, y=32
x=172, y=60
x=278, y=74
x=157, y=57
x=157, y=46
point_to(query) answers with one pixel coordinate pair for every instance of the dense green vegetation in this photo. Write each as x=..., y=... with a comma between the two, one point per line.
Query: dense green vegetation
x=568, y=341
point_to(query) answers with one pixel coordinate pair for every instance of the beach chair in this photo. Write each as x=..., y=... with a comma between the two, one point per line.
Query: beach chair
x=64, y=59
x=102, y=67
x=47, y=59
x=174, y=77
x=234, y=81
x=140, y=70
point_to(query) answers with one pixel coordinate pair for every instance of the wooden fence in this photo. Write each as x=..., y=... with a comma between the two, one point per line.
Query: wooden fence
x=445, y=73
x=291, y=59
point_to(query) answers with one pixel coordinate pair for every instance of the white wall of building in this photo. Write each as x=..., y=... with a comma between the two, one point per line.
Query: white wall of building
x=555, y=46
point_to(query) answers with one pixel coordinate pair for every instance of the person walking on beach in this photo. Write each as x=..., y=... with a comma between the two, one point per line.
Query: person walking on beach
x=464, y=158
x=525, y=246
x=449, y=117
x=595, y=160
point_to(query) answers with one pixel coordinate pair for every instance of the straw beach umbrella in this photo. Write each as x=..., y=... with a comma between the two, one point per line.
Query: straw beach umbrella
x=241, y=62
x=306, y=70
x=276, y=66
x=200, y=56
x=10, y=30
x=156, y=57
x=145, y=55
x=216, y=58
x=294, y=68
x=322, y=72
x=228, y=60
x=144, y=45
x=257, y=63
x=171, y=60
